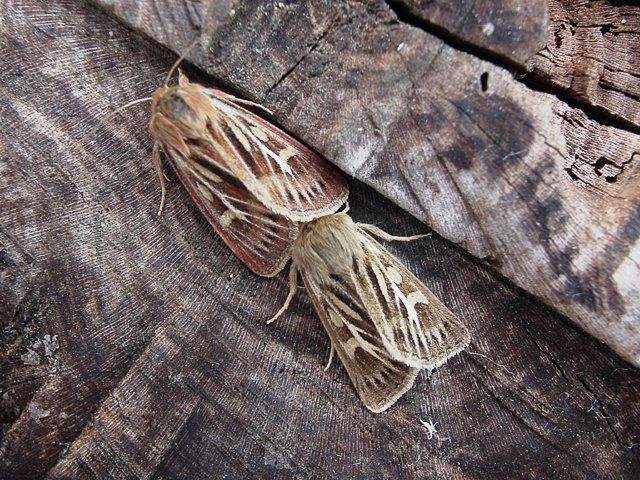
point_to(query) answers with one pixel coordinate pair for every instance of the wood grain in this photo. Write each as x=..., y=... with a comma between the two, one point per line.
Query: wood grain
x=545, y=193
x=592, y=54
x=135, y=346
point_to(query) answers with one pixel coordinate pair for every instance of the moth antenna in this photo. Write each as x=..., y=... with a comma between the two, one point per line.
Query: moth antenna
x=293, y=286
x=346, y=207
x=180, y=59
x=125, y=106
x=330, y=358
x=378, y=232
x=131, y=103
x=157, y=163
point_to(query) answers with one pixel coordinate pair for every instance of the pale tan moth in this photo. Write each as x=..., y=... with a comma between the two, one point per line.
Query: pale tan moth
x=383, y=322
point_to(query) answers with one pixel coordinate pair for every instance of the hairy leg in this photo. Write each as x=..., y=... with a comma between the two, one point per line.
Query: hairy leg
x=293, y=286
x=378, y=232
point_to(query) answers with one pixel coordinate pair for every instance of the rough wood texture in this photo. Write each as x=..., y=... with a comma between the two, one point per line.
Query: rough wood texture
x=134, y=346
x=513, y=29
x=590, y=52
x=546, y=194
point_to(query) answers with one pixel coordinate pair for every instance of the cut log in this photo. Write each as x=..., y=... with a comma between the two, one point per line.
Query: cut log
x=134, y=346
x=546, y=194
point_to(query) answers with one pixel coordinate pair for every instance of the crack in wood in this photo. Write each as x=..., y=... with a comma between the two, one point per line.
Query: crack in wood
x=607, y=418
x=286, y=74
x=524, y=75
x=583, y=385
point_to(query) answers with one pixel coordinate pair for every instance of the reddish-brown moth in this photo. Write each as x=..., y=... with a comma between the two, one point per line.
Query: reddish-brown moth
x=252, y=181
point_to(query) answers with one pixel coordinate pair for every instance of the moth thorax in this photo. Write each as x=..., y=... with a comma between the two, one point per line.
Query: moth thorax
x=328, y=246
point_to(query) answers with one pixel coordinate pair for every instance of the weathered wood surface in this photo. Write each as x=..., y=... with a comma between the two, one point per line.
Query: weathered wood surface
x=134, y=346
x=512, y=29
x=590, y=51
x=542, y=191
x=592, y=54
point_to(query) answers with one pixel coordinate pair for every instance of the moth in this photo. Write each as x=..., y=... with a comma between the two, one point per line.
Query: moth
x=252, y=181
x=382, y=321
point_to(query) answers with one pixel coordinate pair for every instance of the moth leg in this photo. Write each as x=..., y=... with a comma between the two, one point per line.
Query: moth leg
x=330, y=358
x=378, y=232
x=242, y=101
x=293, y=286
x=157, y=163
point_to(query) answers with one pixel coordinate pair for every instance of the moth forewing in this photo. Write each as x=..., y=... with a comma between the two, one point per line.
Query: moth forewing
x=261, y=239
x=415, y=326
x=379, y=379
x=251, y=181
x=281, y=172
x=284, y=175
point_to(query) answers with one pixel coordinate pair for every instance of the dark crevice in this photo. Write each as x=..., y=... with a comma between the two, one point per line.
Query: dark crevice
x=295, y=65
x=572, y=174
x=484, y=81
x=601, y=171
x=611, y=88
x=604, y=168
x=529, y=79
x=590, y=186
x=406, y=15
x=557, y=37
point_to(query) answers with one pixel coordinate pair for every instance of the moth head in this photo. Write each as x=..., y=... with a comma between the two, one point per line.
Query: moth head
x=184, y=104
x=183, y=107
x=162, y=98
